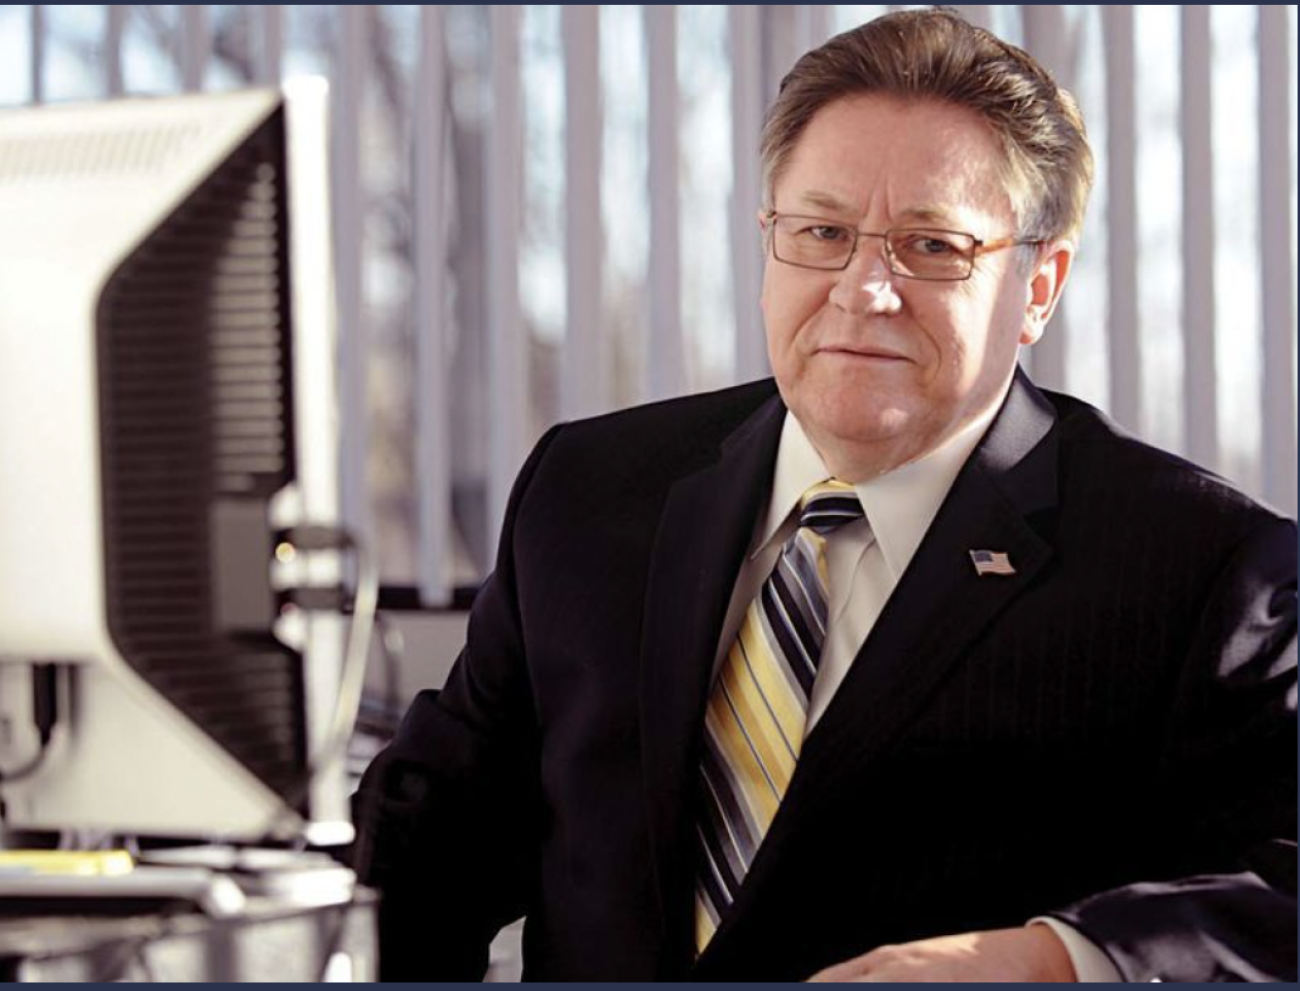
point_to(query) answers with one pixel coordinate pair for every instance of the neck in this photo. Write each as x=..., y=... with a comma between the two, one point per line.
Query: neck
x=857, y=461
x=854, y=463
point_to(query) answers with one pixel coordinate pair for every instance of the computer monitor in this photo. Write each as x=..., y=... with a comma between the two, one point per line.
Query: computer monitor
x=167, y=404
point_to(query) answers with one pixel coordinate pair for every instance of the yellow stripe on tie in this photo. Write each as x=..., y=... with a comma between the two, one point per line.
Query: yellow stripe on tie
x=756, y=790
x=705, y=927
x=775, y=685
x=764, y=733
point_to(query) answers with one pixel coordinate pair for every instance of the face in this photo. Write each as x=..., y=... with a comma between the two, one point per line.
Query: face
x=881, y=369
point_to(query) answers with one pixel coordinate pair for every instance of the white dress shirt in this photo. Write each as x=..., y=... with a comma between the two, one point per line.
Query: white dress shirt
x=865, y=560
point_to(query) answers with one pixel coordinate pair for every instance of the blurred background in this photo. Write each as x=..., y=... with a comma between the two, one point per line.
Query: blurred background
x=545, y=212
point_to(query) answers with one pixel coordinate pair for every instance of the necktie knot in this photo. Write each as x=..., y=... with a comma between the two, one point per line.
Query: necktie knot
x=829, y=505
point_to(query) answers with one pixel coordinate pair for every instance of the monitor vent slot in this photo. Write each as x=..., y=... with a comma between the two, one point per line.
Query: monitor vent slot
x=195, y=359
x=63, y=157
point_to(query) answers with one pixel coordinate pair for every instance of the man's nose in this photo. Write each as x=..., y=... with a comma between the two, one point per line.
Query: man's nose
x=867, y=287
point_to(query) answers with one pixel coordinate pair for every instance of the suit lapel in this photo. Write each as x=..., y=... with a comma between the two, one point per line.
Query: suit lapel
x=704, y=531
x=937, y=610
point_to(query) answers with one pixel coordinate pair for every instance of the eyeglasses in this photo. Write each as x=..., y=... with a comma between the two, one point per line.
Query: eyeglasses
x=926, y=253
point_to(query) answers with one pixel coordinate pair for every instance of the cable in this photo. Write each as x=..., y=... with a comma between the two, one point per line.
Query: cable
x=381, y=712
x=45, y=715
x=353, y=678
x=27, y=770
x=365, y=603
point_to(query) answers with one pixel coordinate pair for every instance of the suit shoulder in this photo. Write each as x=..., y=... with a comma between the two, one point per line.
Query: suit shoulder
x=1103, y=458
x=722, y=410
x=663, y=438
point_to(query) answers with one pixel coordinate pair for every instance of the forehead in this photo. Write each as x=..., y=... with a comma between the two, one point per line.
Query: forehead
x=880, y=158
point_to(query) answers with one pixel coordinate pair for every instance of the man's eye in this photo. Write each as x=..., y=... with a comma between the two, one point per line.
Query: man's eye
x=824, y=232
x=928, y=245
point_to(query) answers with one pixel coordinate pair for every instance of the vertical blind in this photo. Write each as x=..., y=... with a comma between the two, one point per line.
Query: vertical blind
x=546, y=213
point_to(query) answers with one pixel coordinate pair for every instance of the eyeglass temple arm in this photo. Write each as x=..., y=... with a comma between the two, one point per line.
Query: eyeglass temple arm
x=983, y=247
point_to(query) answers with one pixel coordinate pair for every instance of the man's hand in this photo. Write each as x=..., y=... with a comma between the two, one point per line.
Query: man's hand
x=1032, y=953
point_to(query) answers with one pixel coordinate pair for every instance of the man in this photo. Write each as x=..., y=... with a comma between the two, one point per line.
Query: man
x=898, y=669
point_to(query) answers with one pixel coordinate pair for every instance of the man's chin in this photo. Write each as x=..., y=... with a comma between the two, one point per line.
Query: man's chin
x=871, y=439
x=856, y=423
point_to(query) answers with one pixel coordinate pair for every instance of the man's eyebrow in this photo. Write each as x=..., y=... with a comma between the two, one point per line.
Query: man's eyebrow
x=824, y=201
x=935, y=215
x=928, y=215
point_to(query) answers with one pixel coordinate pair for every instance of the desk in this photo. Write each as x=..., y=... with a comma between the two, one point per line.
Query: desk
x=271, y=940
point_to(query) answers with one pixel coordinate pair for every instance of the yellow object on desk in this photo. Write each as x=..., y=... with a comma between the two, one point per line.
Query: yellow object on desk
x=85, y=863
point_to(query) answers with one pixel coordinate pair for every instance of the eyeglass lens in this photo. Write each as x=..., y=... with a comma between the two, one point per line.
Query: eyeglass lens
x=921, y=253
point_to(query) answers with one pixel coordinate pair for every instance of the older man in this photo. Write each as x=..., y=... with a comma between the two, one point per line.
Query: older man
x=897, y=668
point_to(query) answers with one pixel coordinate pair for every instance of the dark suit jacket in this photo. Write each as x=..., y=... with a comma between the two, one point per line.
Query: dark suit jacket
x=1107, y=736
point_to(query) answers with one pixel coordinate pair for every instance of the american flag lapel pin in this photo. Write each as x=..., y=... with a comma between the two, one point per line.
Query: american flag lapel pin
x=991, y=563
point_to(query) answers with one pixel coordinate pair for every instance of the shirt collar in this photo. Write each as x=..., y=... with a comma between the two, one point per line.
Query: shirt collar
x=899, y=505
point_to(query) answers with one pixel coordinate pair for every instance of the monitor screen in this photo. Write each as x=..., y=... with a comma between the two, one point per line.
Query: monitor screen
x=166, y=409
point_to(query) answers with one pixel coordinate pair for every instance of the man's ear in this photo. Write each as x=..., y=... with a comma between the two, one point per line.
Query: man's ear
x=762, y=220
x=1049, y=278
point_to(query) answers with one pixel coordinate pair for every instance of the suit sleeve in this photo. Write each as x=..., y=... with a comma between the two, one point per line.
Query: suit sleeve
x=1229, y=769
x=447, y=814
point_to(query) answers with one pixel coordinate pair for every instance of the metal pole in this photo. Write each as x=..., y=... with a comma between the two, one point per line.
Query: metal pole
x=114, y=29
x=507, y=341
x=270, y=53
x=747, y=192
x=38, y=53
x=1122, y=215
x=196, y=44
x=1276, y=124
x=587, y=370
x=1200, y=390
x=432, y=314
x=667, y=360
x=349, y=234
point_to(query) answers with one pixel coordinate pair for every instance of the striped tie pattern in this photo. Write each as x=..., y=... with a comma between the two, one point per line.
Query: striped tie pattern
x=754, y=725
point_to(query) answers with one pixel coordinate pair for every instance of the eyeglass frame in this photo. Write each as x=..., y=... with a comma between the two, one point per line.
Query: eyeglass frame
x=978, y=246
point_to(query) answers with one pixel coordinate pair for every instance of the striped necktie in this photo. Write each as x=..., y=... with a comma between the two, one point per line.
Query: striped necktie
x=754, y=725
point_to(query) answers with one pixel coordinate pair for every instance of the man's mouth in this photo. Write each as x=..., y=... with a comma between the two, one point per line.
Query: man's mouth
x=866, y=353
